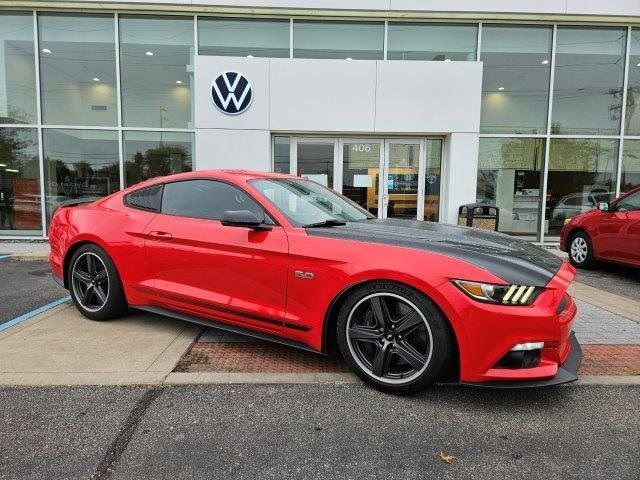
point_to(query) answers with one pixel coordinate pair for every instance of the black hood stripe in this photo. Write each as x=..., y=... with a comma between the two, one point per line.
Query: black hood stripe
x=515, y=261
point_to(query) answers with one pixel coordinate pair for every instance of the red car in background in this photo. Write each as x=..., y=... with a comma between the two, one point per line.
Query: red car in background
x=610, y=232
x=282, y=258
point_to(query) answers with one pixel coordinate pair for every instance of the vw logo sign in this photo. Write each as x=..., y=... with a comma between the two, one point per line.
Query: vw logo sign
x=232, y=93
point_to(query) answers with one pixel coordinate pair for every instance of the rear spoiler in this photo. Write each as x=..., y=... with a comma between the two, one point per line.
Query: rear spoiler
x=78, y=201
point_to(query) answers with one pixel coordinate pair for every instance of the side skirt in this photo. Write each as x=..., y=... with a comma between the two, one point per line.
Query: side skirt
x=224, y=326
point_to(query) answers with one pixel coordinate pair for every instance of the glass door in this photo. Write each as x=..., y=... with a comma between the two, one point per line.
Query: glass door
x=403, y=192
x=361, y=163
x=314, y=159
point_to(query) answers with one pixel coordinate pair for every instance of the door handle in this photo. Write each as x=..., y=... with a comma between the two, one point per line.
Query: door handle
x=160, y=235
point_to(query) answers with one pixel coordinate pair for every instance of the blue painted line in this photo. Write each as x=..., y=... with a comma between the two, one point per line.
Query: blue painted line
x=33, y=313
x=4, y=256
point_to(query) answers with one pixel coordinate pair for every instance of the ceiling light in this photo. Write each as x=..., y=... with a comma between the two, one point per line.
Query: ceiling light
x=46, y=50
x=96, y=79
x=638, y=65
x=545, y=61
x=148, y=53
x=249, y=56
x=447, y=59
x=178, y=82
x=3, y=165
x=500, y=88
x=348, y=58
x=11, y=170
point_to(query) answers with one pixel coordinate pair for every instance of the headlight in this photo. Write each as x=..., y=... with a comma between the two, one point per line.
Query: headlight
x=504, y=294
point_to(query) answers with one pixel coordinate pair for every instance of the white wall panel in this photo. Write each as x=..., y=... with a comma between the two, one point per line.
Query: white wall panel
x=246, y=149
x=322, y=95
x=428, y=97
x=459, y=174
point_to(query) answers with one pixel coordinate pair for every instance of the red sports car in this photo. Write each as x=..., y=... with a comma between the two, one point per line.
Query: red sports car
x=282, y=258
x=609, y=232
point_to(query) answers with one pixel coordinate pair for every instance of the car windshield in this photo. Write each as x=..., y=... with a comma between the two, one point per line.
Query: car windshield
x=306, y=203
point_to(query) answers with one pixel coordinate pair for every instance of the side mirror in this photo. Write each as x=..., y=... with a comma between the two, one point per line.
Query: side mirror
x=603, y=206
x=243, y=218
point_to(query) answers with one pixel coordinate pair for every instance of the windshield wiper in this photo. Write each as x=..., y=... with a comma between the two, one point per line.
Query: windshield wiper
x=331, y=222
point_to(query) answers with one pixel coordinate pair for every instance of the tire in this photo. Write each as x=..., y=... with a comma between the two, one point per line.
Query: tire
x=96, y=290
x=581, y=250
x=393, y=337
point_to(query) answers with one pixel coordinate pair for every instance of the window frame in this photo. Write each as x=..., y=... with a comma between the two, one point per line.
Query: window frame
x=268, y=218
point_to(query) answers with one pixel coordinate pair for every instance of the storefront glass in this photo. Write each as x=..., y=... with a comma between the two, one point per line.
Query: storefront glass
x=281, y=155
x=630, y=174
x=315, y=161
x=432, y=41
x=20, y=207
x=78, y=69
x=17, y=69
x=156, y=71
x=241, y=37
x=587, y=92
x=360, y=173
x=152, y=154
x=345, y=40
x=79, y=164
x=509, y=176
x=632, y=122
x=515, y=82
x=582, y=172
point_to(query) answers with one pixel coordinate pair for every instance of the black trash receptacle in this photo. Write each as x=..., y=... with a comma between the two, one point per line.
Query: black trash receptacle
x=479, y=215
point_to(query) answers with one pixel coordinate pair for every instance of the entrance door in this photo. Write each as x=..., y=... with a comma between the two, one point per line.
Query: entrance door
x=393, y=177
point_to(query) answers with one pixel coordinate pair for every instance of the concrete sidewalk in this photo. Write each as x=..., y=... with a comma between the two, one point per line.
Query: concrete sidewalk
x=60, y=347
x=25, y=249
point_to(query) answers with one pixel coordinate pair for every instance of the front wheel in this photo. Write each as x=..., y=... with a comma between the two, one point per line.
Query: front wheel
x=581, y=250
x=393, y=337
x=94, y=284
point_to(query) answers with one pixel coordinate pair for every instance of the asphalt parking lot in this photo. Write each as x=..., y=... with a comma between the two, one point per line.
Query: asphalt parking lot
x=318, y=431
x=618, y=279
x=24, y=286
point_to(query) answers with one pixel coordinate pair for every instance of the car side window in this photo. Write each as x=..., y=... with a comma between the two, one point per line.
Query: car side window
x=632, y=202
x=149, y=198
x=207, y=199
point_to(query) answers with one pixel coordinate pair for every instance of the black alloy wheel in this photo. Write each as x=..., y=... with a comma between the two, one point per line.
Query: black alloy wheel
x=394, y=338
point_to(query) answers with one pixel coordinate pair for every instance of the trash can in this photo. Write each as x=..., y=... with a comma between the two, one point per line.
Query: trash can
x=479, y=215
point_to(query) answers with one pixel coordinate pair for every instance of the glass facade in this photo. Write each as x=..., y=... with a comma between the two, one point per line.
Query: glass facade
x=78, y=69
x=153, y=154
x=17, y=69
x=587, y=93
x=20, y=199
x=509, y=176
x=79, y=164
x=345, y=40
x=432, y=41
x=241, y=37
x=116, y=106
x=515, y=80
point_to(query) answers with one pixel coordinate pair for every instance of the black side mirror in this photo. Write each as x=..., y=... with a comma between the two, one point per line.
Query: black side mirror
x=243, y=218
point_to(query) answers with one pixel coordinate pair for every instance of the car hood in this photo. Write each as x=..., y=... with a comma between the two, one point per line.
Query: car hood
x=516, y=261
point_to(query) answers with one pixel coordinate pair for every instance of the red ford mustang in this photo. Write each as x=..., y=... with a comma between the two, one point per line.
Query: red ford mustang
x=282, y=258
x=610, y=232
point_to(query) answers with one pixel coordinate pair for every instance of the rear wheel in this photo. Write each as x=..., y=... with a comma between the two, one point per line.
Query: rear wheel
x=393, y=337
x=581, y=250
x=94, y=284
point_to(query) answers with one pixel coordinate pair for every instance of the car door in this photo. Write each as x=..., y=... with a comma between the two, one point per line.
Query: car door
x=234, y=274
x=619, y=231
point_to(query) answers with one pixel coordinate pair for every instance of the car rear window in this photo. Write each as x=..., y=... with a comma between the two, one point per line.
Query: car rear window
x=149, y=198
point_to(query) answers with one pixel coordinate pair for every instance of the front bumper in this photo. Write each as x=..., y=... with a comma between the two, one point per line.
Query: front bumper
x=567, y=372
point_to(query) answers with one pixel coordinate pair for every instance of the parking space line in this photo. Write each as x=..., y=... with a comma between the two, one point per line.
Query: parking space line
x=33, y=313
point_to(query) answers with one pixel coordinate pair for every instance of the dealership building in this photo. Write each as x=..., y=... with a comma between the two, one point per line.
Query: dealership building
x=409, y=107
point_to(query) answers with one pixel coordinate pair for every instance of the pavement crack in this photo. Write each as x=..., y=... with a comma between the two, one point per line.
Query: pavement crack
x=107, y=465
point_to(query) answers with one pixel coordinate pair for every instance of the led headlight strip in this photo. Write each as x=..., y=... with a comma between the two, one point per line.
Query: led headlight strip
x=505, y=294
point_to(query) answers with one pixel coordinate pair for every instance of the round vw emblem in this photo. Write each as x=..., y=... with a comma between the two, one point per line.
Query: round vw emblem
x=231, y=92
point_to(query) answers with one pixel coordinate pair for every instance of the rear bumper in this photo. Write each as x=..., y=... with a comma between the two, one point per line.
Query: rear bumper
x=567, y=372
